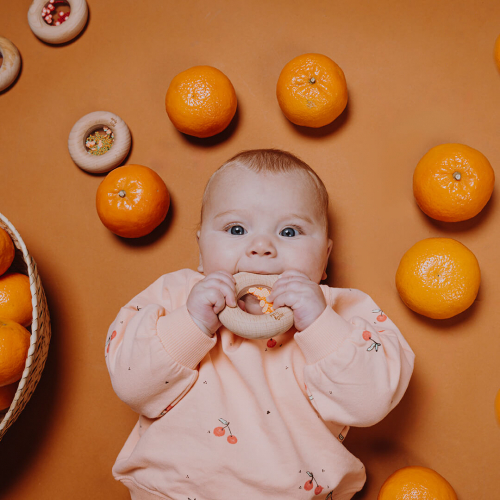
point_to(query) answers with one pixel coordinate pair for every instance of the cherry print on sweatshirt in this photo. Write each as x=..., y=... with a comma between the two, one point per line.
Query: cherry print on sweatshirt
x=108, y=342
x=219, y=431
x=368, y=336
x=309, y=484
x=381, y=317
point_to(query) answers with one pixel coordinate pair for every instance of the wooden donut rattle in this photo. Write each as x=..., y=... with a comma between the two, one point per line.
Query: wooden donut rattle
x=252, y=326
x=57, y=32
x=77, y=141
x=11, y=63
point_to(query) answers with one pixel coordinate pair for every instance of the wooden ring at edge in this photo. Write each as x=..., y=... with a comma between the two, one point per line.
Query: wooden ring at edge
x=84, y=127
x=11, y=63
x=253, y=326
x=67, y=30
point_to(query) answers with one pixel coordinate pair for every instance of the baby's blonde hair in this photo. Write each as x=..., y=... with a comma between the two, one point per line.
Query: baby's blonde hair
x=273, y=161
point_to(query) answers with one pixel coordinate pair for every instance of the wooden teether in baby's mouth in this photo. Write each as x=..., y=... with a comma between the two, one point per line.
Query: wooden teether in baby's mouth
x=255, y=301
x=256, y=326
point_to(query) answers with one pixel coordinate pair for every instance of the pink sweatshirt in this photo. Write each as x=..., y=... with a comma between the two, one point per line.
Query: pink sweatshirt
x=226, y=418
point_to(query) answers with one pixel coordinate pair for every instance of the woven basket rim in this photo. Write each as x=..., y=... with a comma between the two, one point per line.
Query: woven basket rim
x=34, y=325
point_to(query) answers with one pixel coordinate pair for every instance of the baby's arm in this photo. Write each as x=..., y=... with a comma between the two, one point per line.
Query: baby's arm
x=153, y=346
x=358, y=365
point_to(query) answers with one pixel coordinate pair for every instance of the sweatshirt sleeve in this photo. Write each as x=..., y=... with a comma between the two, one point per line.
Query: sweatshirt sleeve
x=358, y=364
x=153, y=347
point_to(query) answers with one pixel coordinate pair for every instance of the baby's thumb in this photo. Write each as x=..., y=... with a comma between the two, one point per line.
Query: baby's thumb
x=220, y=303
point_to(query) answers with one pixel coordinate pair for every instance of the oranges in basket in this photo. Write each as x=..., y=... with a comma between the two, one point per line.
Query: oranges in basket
x=438, y=277
x=7, y=393
x=14, y=345
x=132, y=200
x=453, y=182
x=15, y=298
x=7, y=251
x=15, y=313
x=312, y=90
x=416, y=483
x=201, y=101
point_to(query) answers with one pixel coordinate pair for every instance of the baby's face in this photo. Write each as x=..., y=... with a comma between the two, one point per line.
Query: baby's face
x=263, y=223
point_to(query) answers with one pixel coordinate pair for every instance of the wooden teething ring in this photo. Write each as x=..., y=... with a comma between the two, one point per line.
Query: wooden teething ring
x=252, y=326
x=67, y=30
x=85, y=126
x=11, y=62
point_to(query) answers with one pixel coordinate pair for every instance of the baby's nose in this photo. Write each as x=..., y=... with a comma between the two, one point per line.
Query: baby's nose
x=262, y=246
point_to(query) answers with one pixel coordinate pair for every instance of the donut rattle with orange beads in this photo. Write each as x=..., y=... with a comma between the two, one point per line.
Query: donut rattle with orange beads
x=251, y=326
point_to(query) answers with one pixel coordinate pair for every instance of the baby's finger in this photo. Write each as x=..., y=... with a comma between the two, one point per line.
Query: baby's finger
x=220, y=301
x=223, y=276
x=293, y=272
x=288, y=283
x=226, y=274
x=284, y=299
x=283, y=279
x=227, y=291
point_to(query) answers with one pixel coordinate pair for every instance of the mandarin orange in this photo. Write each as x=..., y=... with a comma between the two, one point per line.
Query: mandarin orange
x=132, y=200
x=15, y=298
x=7, y=251
x=453, y=182
x=416, y=483
x=14, y=346
x=201, y=101
x=312, y=90
x=7, y=393
x=438, y=278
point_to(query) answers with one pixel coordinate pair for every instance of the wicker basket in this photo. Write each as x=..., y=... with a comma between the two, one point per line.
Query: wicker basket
x=40, y=329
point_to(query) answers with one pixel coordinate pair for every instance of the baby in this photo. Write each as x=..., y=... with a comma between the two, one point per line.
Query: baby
x=227, y=418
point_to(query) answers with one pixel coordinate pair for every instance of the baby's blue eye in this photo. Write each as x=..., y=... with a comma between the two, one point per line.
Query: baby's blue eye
x=289, y=232
x=238, y=230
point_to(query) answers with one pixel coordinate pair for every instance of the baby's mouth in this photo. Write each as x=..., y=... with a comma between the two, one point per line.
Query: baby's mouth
x=258, y=272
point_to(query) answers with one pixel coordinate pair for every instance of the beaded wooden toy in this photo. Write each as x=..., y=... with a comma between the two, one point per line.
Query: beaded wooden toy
x=262, y=293
x=47, y=29
x=252, y=326
x=83, y=148
x=11, y=62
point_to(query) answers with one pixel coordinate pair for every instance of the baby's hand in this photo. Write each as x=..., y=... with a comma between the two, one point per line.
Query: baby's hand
x=208, y=298
x=295, y=290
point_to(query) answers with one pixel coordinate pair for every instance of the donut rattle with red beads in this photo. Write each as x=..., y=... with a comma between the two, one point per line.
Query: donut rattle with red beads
x=60, y=28
x=252, y=326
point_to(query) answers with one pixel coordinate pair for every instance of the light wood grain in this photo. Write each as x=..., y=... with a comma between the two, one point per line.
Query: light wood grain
x=11, y=63
x=86, y=125
x=65, y=31
x=252, y=326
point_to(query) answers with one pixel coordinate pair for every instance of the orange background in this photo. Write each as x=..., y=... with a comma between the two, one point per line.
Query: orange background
x=418, y=73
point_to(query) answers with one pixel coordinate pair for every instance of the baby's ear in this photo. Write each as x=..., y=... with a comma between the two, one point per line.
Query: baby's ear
x=330, y=245
x=200, y=267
